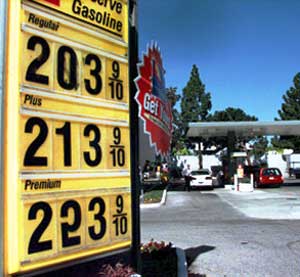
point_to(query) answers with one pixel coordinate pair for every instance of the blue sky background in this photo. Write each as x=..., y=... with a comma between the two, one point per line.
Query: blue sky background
x=247, y=51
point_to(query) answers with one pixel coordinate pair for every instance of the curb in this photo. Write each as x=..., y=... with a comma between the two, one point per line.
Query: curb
x=156, y=205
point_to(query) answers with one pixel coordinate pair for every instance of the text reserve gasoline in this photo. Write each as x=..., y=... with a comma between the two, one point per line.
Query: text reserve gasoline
x=103, y=18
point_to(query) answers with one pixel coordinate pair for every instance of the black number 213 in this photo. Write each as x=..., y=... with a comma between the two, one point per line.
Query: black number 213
x=31, y=157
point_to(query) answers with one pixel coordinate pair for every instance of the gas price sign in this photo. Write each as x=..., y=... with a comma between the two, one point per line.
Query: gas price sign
x=73, y=188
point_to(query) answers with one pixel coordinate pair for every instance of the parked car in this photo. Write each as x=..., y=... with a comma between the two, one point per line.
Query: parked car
x=175, y=176
x=202, y=178
x=217, y=175
x=296, y=172
x=268, y=176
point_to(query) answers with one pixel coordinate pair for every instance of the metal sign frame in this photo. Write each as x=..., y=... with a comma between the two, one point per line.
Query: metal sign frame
x=3, y=12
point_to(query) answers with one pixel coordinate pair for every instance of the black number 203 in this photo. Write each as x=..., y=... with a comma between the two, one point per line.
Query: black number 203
x=67, y=68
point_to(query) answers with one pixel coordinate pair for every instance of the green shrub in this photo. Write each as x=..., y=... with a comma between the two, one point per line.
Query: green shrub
x=153, y=196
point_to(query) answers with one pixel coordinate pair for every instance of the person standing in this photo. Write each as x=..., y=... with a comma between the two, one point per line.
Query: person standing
x=187, y=174
x=183, y=164
x=146, y=170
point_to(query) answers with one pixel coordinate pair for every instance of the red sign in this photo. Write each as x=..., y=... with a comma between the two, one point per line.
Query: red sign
x=55, y=2
x=154, y=107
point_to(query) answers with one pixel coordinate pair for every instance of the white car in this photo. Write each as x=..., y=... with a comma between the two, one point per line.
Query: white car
x=202, y=178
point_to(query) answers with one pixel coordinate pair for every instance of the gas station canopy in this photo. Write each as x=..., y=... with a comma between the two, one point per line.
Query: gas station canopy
x=244, y=128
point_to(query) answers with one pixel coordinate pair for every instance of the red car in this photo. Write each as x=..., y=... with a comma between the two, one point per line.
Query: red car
x=268, y=176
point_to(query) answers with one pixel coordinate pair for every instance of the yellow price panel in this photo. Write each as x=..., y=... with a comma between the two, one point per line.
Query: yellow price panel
x=116, y=81
x=71, y=223
x=73, y=187
x=93, y=146
x=121, y=220
x=65, y=145
x=40, y=230
x=34, y=18
x=118, y=147
x=55, y=144
x=109, y=16
x=37, y=63
x=64, y=68
x=35, y=145
x=93, y=75
x=98, y=211
x=49, y=144
x=74, y=223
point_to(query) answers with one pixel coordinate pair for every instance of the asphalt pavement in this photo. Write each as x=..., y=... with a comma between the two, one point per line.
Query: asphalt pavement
x=222, y=238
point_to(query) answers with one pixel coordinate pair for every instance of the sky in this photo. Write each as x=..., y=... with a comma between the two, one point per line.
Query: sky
x=247, y=51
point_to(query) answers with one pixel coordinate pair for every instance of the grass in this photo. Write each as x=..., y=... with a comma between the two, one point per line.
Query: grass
x=153, y=196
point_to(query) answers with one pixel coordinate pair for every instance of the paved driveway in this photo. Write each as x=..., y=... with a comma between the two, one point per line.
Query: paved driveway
x=271, y=203
x=220, y=239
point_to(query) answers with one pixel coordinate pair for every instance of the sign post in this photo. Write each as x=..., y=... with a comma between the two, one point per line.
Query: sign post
x=134, y=123
x=67, y=157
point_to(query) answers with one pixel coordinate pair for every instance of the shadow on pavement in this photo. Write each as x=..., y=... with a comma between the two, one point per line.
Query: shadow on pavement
x=152, y=186
x=149, y=186
x=182, y=188
x=192, y=253
x=176, y=187
x=291, y=184
x=196, y=275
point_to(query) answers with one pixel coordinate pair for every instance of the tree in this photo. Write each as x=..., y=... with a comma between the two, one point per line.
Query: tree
x=259, y=148
x=195, y=104
x=290, y=110
x=229, y=114
x=236, y=114
x=173, y=97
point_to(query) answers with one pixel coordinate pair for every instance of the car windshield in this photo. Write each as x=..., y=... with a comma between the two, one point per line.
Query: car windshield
x=271, y=171
x=200, y=172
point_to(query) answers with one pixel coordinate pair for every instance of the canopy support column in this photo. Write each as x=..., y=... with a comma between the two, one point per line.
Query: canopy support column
x=231, y=140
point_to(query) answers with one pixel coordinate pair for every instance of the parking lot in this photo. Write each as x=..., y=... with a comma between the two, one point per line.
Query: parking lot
x=266, y=203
